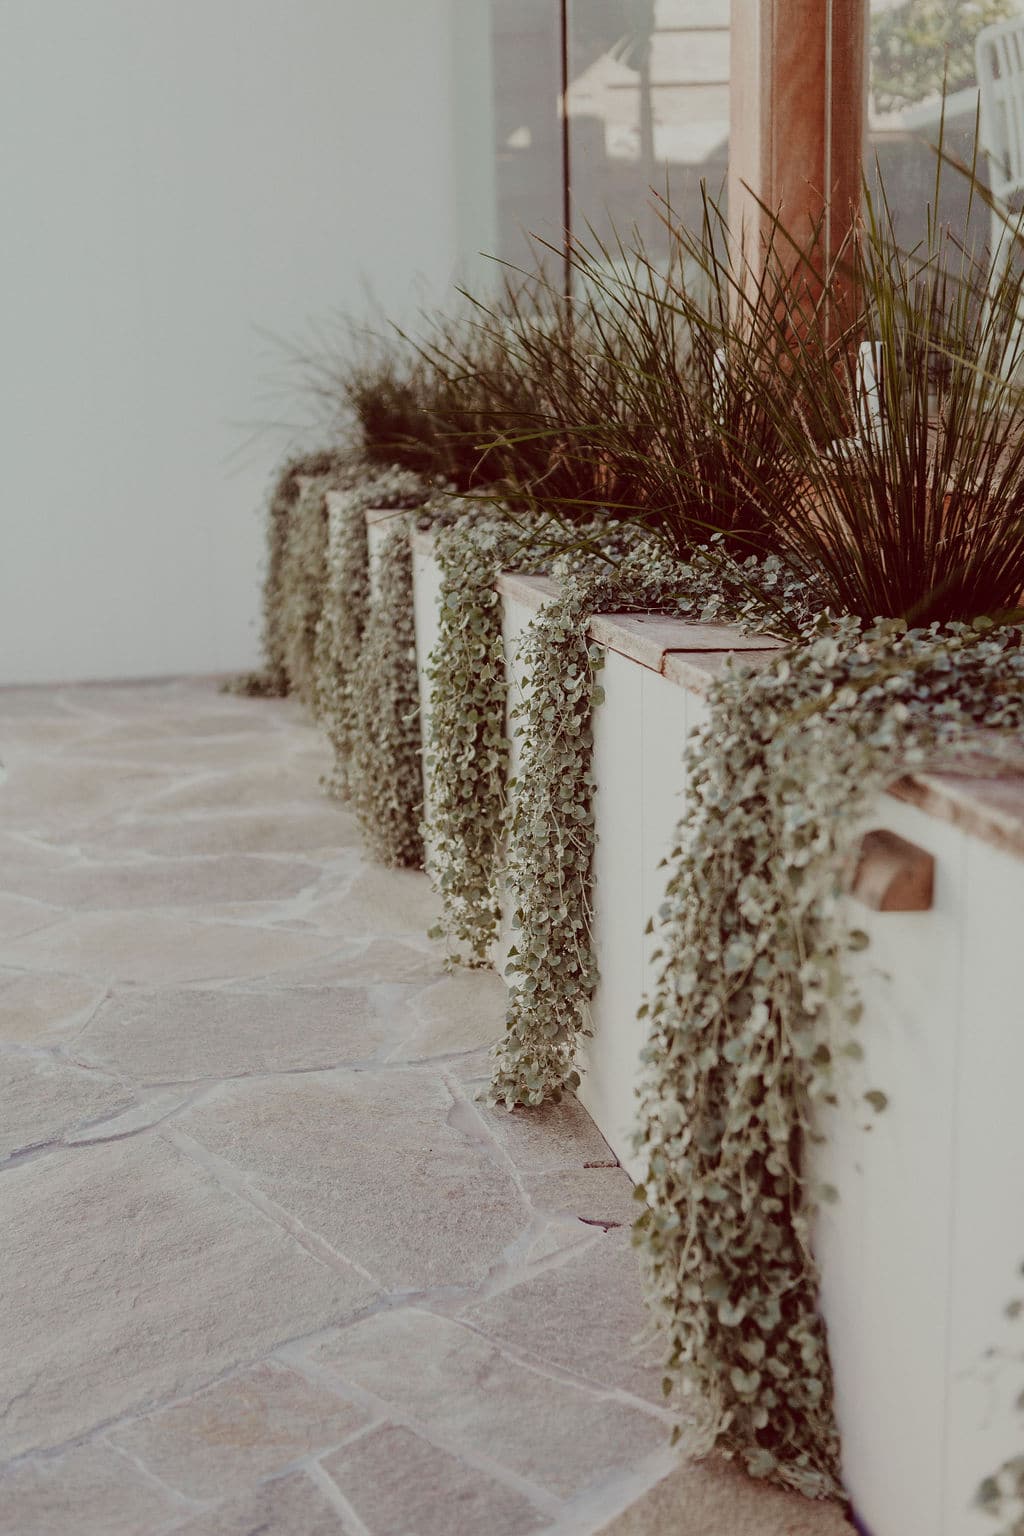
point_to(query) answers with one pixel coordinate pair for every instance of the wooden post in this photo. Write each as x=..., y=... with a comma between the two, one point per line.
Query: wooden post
x=798, y=97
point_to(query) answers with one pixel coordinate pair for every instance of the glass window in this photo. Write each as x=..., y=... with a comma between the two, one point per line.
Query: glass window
x=527, y=75
x=648, y=108
x=916, y=45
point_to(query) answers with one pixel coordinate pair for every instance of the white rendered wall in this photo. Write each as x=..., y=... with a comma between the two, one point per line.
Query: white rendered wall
x=179, y=180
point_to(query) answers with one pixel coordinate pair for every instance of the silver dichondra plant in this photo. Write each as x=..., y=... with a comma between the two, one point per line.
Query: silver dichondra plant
x=466, y=747
x=345, y=608
x=754, y=1010
x=386, y=767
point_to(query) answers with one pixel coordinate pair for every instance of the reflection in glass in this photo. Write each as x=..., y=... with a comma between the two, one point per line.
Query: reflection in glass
x=526, y=52
x=916, y=46
x=648, y=108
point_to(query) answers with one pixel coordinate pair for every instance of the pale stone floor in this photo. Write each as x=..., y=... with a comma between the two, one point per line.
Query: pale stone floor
x=268, y=1264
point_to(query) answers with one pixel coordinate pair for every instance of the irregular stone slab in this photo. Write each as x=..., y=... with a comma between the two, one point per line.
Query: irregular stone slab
x=380, y=960
x=293, y=786
x=19, y=916
x=238, y=1431
x=167, y=739
x=461, y=1012
x=474, y=1070
x=368, y=1161
x=156, y=950
x=288, y=1506
x=712, y=1498
x=314, y=834
x=19, y=853
x=600, y=1196
x=32, y=1007
x=91, y=1491
x=130, y=1276
x=154, y=697
x=42, y=1100
x=182, y=1035
x=54, y=795
x=397, y=1481
x=381, y=901
x=151, y=1110
x=169, y=883
x=586, y=1316
x=552, y=1136
x=558, y=1436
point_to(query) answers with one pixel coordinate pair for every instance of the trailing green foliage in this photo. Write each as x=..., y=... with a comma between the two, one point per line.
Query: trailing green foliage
x=340, y=632
x=1002, y=1497
x=754, y=1008
x=467, y=748
x=386, y=769
x=303, y=585
x=286, y=566
x=551, y=967
x=346, y=606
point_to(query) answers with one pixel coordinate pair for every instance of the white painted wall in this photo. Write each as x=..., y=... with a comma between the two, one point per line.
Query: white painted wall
x=178, y=179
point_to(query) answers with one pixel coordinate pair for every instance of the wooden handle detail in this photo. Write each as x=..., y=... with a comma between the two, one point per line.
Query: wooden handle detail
x=893, y=875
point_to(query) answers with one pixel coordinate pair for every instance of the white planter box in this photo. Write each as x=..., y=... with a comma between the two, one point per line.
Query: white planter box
x=380, y=521
x=923, y=1250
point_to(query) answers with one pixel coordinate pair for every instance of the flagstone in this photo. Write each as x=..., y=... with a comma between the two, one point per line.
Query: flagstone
x=382, y=901
x=601, y=1196
x=240, y=1430
x=43, y=1099
x=462, y=1012
x=418, y=1204
x=184, y=1034
x=151, y=949
x=90, y=1491
x=35, y=1007
x=316, y=834
x=558, y=1436
x=129, y=1276
x=711, y=1498
x=287, y=1506
x=585, y=1316
x=554, y=1135
x=437, y=1494
x=155, y=883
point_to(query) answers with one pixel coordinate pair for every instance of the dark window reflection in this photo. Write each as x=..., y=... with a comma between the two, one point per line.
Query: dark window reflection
x=648, y=106
x=527, y=90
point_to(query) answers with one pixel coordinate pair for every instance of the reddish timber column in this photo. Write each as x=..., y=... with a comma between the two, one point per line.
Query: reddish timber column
x=798, y=98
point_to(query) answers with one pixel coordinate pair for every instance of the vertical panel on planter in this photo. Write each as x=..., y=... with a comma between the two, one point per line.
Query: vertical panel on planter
x=380, y=521
x=610, y=1058
x=884, y=1247
x=985, y=1428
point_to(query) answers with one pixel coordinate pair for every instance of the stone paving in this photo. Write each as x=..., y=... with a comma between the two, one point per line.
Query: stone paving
x=269, y=1265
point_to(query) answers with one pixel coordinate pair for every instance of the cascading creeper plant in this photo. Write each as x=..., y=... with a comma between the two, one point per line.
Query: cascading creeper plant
x=753, y=1009
x=385, y=770
x=345, y=608
x=466, y=746
x=551, y=967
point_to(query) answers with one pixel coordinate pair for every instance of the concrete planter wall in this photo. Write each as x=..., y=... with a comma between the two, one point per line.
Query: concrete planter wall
x=923, y=1250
